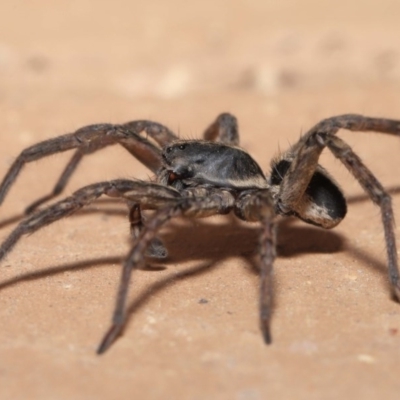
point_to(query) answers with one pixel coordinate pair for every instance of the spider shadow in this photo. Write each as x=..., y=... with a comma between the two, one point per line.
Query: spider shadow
x=205, y=243
x=210, y=243
x=213, y=246
x=60, y=269
x=234, y=238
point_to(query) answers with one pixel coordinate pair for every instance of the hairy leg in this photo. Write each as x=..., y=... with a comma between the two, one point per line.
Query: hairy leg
x=87, y=140
x=152, y=195
x=304, y=161
x=210, y=203
x=258, y=206
x=62, y=181
x=224, y=129
x=304, y=155
x=156, y=247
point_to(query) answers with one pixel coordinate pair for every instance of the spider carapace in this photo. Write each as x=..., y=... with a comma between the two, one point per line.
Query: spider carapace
x=200, y=178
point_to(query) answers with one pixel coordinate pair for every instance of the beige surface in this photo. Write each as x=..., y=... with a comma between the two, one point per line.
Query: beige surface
x=280, y=66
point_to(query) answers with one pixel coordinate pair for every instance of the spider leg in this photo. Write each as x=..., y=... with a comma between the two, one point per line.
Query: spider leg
x=378, y=195
x=61, y=183
x=210, y=203
x=224, y=129
x=159, y=133
x=156, y=247
x=305, y=158
x=150, y=195
x=87, y=140
x=258, y=206
x=305, y=153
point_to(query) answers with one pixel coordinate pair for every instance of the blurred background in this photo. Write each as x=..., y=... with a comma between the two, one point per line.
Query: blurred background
x=167, y=60
x=173, y=49
x=280, y=66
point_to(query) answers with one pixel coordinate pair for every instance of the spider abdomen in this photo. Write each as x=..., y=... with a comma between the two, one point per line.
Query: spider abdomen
x=322, y=203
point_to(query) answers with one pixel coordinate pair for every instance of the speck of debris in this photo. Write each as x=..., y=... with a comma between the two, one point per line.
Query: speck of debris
x=37, y=63
x=203, y=301
x=366, y=358
x=393, y=331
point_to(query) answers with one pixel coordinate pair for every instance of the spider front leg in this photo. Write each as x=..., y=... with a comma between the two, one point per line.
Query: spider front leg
x=88, y=140
x=258, y=206
x=63, y=180
x=197, y=203
x=307, y=191
x=151, y=195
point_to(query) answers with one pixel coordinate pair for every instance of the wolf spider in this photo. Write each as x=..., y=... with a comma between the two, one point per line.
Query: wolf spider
x=200, y=178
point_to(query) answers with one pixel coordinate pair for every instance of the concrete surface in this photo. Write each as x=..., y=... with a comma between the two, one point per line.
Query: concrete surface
x=280, y=67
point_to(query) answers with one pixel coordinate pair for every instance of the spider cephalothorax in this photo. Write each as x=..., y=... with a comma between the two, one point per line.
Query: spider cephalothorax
x=199, y=178
x=196, y=162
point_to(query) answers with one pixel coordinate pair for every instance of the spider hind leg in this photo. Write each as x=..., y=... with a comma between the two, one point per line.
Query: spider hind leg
x=305, y=155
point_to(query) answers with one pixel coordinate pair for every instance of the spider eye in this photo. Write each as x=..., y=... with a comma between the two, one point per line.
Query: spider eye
x=168, y=149
x=182, y=146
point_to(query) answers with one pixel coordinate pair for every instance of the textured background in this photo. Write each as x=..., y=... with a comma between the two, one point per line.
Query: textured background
x=279, y=66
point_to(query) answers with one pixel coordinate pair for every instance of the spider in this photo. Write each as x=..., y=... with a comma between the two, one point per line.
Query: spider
x=200, y=178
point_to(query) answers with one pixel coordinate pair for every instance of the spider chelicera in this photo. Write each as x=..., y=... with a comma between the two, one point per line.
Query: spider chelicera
x=200, y=178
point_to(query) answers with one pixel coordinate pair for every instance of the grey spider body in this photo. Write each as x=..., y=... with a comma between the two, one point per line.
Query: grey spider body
x=199, y=178
x=195, y=163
